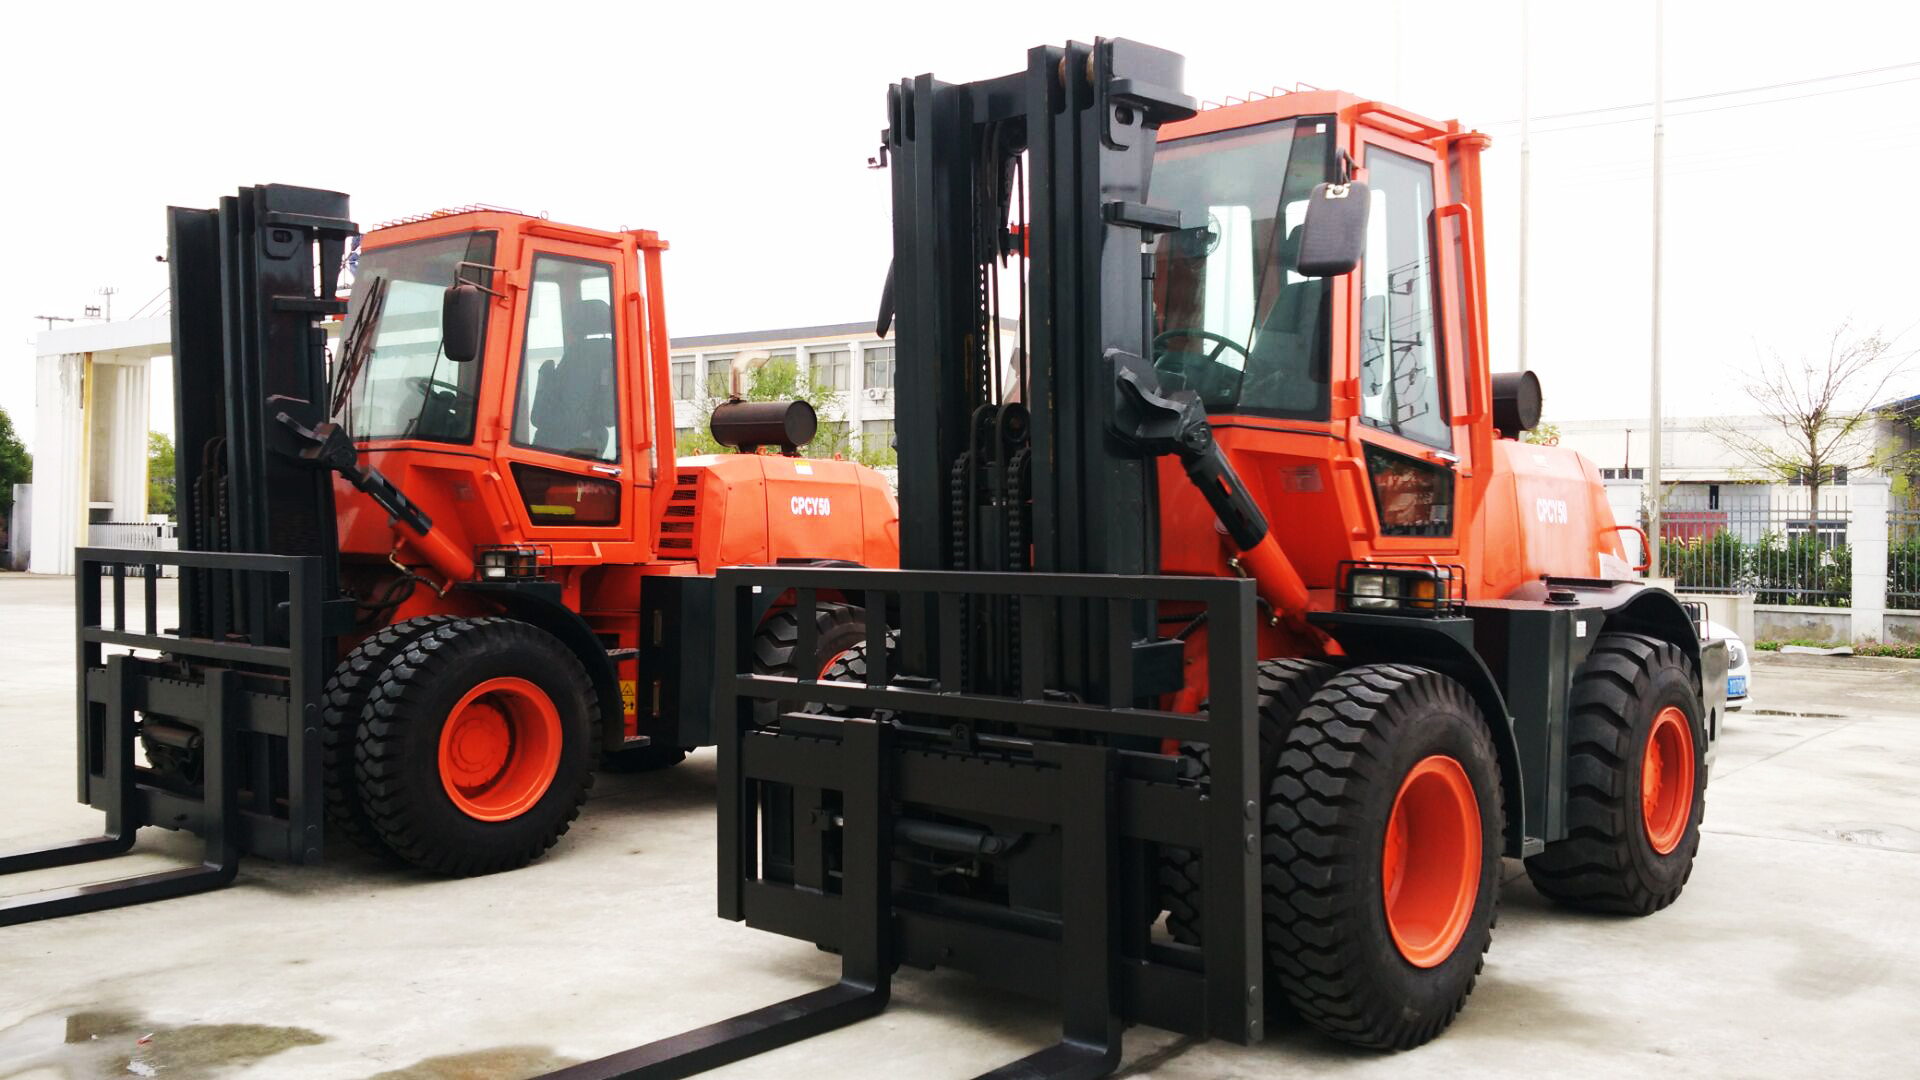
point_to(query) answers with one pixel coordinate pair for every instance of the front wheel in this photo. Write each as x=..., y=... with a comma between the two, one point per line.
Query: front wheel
x=1381, y=855
x=477, y=746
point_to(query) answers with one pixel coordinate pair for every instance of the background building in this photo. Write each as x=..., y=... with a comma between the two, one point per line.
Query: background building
x=848, y=359
x=92, y=401
x=1709, y=485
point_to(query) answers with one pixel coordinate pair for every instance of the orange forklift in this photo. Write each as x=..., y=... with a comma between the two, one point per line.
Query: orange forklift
x=428, y=587
x=1240, y=602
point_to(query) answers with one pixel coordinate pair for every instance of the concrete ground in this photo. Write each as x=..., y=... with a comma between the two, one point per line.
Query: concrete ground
x=1793, y=951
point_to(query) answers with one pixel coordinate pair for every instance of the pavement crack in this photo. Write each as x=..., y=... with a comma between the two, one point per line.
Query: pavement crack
x=1785, y=749
x=1848, y=844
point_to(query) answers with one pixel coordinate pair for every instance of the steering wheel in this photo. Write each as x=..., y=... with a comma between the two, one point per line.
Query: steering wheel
x=425, y=385
x=1222, y=343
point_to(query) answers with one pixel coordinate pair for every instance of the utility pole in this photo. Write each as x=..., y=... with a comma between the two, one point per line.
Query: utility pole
x=1659, y=167
x=108, y=293
x=1398, y=14
x=1526, y=174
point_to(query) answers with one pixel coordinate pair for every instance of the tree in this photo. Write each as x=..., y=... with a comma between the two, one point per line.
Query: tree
x=776, y=379
x=1825, y=407
x=16, y=465
x=160, y=474
x=1543, y=434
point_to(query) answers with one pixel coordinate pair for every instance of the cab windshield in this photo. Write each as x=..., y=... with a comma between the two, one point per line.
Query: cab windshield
x=1233, y=320
x=407, y=388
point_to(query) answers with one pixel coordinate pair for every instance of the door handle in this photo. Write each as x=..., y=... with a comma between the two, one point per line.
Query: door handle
x=606, y=470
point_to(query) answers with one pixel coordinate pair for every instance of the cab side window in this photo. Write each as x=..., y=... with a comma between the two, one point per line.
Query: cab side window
x=1400, y=377
x=568, y=399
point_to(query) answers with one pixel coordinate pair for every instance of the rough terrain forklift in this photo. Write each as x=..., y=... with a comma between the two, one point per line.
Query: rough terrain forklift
x=1238, y=602
x=425, y=590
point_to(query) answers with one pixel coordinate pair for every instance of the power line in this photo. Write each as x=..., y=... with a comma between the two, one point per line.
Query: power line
x=1729, y=93
x=1735, y=105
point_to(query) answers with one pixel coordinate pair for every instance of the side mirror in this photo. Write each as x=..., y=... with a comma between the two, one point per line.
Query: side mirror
x=1334, y=234
x=463, y=321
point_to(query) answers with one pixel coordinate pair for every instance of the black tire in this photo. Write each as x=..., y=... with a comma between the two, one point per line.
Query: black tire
x=1329, y=943
x=1607, y=862
x=397, y=757
x=839, y=628
x=1284, y=685
x=343, y=702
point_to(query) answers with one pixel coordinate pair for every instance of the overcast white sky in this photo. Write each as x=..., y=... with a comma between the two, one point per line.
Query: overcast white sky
x=741, y=131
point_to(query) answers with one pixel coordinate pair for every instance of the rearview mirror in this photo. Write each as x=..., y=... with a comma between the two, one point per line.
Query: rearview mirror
x=463, y=321
x=1334, y=234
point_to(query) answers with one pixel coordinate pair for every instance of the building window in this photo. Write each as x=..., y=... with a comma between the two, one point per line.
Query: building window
x=1609, y=474
x=831, y=368
x=830, y=440
x=683, y=378
x=1713, y=496
x=1840, y=475
x=720, y=375
x=876, y=434
x=879, y=360
x=1638, y=474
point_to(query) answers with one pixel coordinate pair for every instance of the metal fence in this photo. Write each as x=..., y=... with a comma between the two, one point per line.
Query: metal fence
x=1773, y=550
x=1903, y=553
x=138, y=536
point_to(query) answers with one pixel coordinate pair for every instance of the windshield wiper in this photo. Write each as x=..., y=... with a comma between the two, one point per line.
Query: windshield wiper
x=358, y=345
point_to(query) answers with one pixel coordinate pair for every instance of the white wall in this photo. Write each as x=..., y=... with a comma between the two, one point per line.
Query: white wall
x=58, y=468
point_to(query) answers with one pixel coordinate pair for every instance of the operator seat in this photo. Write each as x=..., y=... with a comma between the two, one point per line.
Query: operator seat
x=1282, y=372
x=574, y=400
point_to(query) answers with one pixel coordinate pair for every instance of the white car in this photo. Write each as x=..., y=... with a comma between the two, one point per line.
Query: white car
x=1739, y=665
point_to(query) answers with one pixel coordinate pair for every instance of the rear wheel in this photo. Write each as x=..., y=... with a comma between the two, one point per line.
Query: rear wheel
x=477, y=746
x=838, y=630
x=1636, y=781
x=1285, y=686
x=1381, y=855
x=343, y=702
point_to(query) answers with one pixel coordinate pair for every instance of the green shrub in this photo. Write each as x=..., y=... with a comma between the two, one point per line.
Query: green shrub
x=1903, y=573
x=1801, y=570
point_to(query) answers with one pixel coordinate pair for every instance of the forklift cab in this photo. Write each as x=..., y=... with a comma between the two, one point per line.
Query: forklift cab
x=514, y=352
x=1340, y=399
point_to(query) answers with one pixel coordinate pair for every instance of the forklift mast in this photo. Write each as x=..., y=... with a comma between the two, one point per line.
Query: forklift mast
x=985, y=790
x=250, y=282
x=1015, y=464
x=229, y=696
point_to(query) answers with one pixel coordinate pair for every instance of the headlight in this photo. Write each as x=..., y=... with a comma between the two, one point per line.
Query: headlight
x=1413, y=588
x=1372, y=590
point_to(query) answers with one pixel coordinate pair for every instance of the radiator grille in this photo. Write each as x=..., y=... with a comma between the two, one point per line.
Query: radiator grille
x=680, y=527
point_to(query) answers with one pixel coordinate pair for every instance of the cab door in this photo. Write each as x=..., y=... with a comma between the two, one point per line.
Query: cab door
x=1410, y=448
x=569, y=445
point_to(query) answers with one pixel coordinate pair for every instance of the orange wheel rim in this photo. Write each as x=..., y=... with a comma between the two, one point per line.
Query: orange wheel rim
x=500, y=749
x=1430, y=865
x=1666, y=780
x=831, y=660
